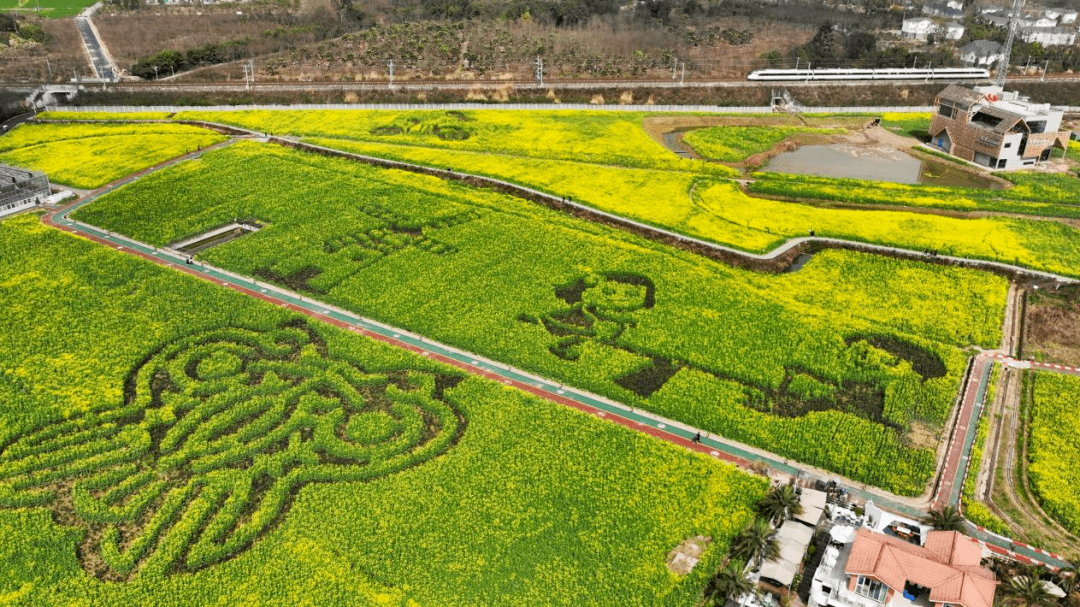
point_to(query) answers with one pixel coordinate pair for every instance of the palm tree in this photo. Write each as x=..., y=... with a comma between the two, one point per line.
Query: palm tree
x=757, y=543
x=1067, y=578
x=780, y=502
x=945, y=519
x=1028, y=591
x=731, y=582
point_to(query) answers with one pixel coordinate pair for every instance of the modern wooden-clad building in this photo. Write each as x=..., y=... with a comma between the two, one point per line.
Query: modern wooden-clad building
x=1006, y=132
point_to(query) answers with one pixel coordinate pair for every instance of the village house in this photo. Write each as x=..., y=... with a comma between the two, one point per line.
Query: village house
x=1002, y=18
x=953, y=31
x=1009, y=132
x=950, y=10
x=982, y=53
x=918, y=28
x=1063, y=16
x=1047, y=36
x=879, y=570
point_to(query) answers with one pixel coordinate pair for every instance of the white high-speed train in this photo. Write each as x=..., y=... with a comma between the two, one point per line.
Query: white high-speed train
x=902, y=73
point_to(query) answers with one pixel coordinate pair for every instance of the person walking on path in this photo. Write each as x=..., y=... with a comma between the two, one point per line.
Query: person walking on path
x=696, y=439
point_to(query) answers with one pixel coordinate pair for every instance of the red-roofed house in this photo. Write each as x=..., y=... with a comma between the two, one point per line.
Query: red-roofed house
x=882, y=570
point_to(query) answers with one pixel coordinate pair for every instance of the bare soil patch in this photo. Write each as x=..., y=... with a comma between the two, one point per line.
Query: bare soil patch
x=49, y=62
x=922, y=436
x=1052, y=326
x=686, y=555
x=134, y=34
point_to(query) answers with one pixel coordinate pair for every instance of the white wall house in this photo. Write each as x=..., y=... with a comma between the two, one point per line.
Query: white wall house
x=1061, y=15
x=944, y=9
x=1001, y=19
x=982, y=53
x=918, y=28
x=1048, y=36
x=954, y=31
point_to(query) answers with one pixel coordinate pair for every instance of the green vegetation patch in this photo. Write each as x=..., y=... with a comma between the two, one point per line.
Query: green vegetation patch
x=166, y=441
x=1054, y=454
x=1073, y=151
x=92, y=155
x=975, y=510
x=90, y=116
x=596, y=307
x=737, y=143
x=911, y=125
x=53, y=9
x=1051, y=195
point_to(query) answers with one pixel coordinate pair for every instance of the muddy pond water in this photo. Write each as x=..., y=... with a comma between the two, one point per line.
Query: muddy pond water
x=875, y=163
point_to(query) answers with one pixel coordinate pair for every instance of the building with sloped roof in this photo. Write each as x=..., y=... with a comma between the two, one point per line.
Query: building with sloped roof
x=1048, y=36
x=982, y=53
x=878, y=570
x=21, y=188
x=953, y=31
x=918, y=28
x=1006, y=132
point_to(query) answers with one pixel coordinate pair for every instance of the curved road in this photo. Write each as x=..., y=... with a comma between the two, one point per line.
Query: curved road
x=953, y=469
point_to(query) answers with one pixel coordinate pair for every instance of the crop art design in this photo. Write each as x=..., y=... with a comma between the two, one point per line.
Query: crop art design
x=217, y=433
x=602, y=308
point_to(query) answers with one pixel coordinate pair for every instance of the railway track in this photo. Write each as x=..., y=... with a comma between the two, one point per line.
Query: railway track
x=517, y=84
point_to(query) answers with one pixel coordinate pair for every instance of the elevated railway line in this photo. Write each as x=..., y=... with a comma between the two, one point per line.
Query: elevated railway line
x=190, y=86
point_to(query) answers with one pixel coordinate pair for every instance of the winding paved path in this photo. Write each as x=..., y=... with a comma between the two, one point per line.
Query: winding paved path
x=657, y=233
x=962, y=433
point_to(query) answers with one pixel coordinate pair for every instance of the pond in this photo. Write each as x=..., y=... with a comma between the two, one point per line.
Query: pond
x=875, y=163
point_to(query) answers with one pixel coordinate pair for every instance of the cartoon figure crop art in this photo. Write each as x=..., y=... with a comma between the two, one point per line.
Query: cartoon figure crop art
x=216, y=434
x=601, y=309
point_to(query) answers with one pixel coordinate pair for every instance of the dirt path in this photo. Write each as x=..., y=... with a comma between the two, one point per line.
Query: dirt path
x=998, y=483
x=1007, y=491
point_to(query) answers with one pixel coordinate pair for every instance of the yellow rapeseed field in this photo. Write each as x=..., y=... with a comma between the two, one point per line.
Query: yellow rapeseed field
x=91, y=155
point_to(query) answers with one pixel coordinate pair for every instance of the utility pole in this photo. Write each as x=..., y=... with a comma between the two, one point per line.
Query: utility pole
x=1046, y=65
x=49, y=65
x=1003, y=65
x=674, y=68
x=540, y=70
x=682, y=80
x=391, y=65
